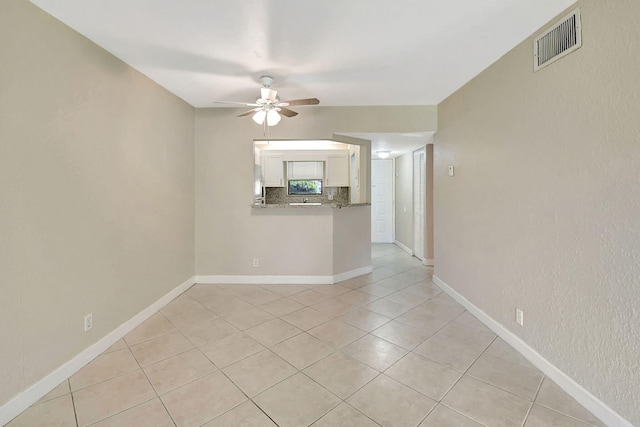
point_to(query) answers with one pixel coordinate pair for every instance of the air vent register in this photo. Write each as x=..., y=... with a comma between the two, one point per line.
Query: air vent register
x=560, y=40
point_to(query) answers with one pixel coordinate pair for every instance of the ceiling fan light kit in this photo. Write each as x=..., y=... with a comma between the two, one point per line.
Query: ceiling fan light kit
x=268, y=109
x=273, y=118
x=259, y=116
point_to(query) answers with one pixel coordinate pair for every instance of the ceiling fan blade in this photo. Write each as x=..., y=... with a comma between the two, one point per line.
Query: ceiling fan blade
x=268, y=94
x=287, y=112
x=308, y=101
x=247, y=104
x=247, y=113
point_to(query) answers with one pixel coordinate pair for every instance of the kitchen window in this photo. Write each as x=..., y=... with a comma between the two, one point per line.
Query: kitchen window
x=305, y=187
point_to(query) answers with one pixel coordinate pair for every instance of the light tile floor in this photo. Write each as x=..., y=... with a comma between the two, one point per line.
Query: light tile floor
x=385, y=349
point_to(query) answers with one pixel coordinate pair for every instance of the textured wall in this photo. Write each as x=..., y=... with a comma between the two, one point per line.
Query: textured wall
x=96, y=193
x=229, y=233
x=544, y=210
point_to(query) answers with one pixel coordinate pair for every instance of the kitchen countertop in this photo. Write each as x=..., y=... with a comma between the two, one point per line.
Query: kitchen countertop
x=309, y=206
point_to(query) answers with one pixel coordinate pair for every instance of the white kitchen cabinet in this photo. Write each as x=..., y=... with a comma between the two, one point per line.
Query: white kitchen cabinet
x=305, y=170
x=337, y=170
x=273, y=170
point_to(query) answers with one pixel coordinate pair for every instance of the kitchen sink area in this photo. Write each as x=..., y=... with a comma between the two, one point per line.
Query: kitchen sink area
x=309, y=174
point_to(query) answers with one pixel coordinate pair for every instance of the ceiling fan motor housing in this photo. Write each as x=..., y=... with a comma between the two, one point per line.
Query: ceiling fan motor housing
x=266, y=81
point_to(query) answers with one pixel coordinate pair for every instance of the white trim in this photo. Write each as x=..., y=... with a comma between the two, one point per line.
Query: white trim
x=429, y=262
x=341, y=277
x=403, y=247
x=282, y=280
x=264, y=280
x=22, y=401
x=419, y=193
x=575, y=390
x=393, y=199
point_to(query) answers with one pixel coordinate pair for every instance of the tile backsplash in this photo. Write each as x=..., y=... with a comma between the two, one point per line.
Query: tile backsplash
x=278, y=195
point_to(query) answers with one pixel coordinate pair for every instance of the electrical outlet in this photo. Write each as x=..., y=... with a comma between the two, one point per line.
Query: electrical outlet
x=256, y=263
x=330, y=196
x=519, y=317
x=88, y=322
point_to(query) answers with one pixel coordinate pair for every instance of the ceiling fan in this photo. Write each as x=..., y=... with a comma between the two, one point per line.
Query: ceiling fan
x=268, y=108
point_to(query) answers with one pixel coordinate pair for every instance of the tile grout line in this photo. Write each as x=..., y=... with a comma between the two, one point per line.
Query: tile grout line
x=533, y=402
x=175, y=423
x=73, y=403
x=462, y=376
x=118, y=376
x=466, y=416
x=108, y=379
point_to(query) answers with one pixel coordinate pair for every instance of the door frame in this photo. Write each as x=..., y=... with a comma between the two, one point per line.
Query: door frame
x=419, y=194
x=392, y=218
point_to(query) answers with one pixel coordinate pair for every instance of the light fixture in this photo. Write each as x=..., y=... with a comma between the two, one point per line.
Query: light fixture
x=383, y=154
x=273, y=118
x=270, y=114
x=259, y=116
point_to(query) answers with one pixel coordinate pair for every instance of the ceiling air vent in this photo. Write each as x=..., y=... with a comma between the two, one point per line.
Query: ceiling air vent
x=560, y=40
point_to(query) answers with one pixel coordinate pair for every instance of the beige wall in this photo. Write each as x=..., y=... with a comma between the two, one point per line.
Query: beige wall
x=96, y=185
x=544, y=210
x=229, y=233
x=352, y=239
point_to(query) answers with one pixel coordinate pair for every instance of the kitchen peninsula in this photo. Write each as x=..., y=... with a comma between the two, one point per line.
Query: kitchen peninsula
x=300, y=190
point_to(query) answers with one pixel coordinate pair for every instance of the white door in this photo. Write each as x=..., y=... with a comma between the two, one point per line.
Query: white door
x=382, y=201
x=419, y=193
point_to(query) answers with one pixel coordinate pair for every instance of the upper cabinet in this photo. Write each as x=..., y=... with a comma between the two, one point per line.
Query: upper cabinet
x=273, y=170
x=305, y=170
x=337, y=164
x=337, y=173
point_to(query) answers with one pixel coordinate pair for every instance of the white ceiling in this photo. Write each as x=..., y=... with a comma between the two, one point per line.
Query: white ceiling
x=396, y=143
x=343, y=52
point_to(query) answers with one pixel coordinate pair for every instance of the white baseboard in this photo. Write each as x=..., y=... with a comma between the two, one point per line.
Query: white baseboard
x=264, y=280
x=575, y=390
x=353, y=273
x=24, y=400
x=403, y=247
x=282, y=280
x=428, y=262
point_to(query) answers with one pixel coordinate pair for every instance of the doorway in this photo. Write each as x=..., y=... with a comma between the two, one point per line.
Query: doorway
x=382, y=224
